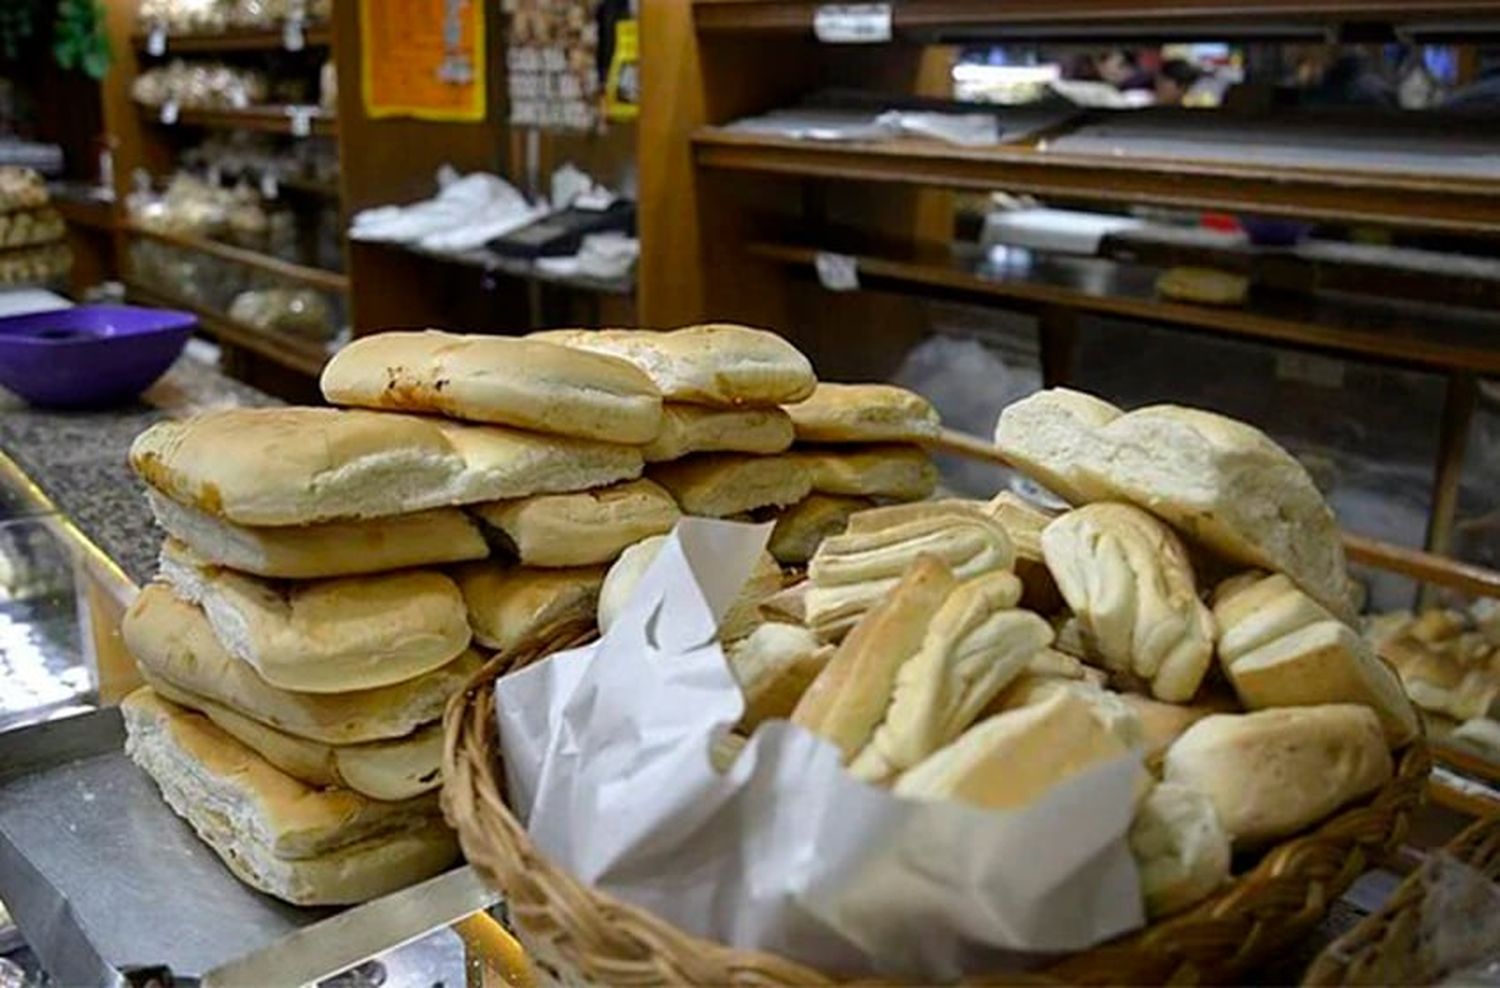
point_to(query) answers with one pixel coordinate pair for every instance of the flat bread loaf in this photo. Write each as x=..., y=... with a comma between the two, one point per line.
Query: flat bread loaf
x=718, y=485
x=335, y=548
x=864, y=413
x=510, y=605
x=297, y=466
x=309, y=847
x=586, y=528
x=687, y=429
x=326, y=636
x=497, y=379
x=507, y=463
x=891, y=470
x=801, y=528
x=402, y=768
x=1272, y=773
x=714, y=364
x=172, y=641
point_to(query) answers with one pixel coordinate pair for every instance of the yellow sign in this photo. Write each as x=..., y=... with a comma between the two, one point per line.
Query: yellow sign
x=423, y=58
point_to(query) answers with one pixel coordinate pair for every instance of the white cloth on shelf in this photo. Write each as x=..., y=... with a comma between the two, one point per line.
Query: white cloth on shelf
x=480, y=202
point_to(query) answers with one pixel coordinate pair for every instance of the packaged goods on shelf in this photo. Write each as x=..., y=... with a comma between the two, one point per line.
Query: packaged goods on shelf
x=200, y=85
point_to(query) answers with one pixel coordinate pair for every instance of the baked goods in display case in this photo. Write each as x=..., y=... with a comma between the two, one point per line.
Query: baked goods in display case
x=1449, y=663
x=333, y=575
x=33, y=248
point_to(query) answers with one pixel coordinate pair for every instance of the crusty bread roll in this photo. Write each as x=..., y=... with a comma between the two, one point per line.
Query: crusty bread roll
x=717, y=485
x=1274, y=772
x=1254, y=609
x=1051, y=434
x=890, y=470
x=975, y=645
x=743, y=614
x=850, y=572
x=1480, y=735
x=687, y=429
x=852, y=694
x=774, y=665
x=509, y=605
x=1229, y=487
x=402, y=768
x=309, y=847
x=1180, y=848
x=335, y=548
x=1163, y=723
x=1111, y=709
x=714, y=364
x=1013, y=758
x=173, y=642
x=296, y=466
x=1128, y=580
x=1203, y=286
x=1024, y=523
x=801, y=528
x=1439, y=682
x=504, y=463
x=584, y=528
x=326, y=636
x=497, y=379
x=864, y=413
x=1322, y=663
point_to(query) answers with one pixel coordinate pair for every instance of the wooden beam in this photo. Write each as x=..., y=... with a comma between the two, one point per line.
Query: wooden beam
x=328, y=281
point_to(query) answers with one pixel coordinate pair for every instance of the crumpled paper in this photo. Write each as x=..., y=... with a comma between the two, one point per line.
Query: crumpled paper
x=606, y=750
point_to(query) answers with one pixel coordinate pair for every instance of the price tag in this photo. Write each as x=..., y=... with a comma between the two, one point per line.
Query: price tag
x=301, y=117
x=156, y=41
x=269, y=187
x=853, y=23
x=837, y=272
x=293, y=38
x=169, y=112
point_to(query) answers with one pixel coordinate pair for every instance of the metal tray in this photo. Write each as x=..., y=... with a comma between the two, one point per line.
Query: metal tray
x=109, y=886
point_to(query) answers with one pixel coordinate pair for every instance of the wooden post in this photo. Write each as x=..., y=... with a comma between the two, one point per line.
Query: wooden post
x=1453, y=437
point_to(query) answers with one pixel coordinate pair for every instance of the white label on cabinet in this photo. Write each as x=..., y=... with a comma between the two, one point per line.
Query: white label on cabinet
x=169, y=112
x=837, y=272
x=292, y=37
x=156, y=41
x=301, y=117
x=269, y=187
x=853, y=23
x=1308, y=368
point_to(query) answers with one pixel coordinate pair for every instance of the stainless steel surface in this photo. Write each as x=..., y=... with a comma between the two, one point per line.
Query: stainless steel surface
x=44, y=672
x=102, y=877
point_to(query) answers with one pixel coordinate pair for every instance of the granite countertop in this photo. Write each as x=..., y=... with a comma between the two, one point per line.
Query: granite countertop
x=78, y=458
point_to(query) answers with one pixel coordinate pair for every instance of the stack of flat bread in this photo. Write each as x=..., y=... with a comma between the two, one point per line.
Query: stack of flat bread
x=1192, y=607
x=332, y=575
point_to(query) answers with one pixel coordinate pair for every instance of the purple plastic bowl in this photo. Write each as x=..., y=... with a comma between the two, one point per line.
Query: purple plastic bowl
x=89, y=355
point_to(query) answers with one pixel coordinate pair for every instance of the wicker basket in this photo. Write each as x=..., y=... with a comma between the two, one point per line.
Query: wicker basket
x=589, y=936
x=1389, y=947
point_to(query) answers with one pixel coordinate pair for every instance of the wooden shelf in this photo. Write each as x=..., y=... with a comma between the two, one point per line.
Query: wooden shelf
x=272, y=39
x=1453, y=204
x=310, y=186
x=289, y=352
x=1435, y=337
x=1115, y=18
x=329, y=281
x=263, y=119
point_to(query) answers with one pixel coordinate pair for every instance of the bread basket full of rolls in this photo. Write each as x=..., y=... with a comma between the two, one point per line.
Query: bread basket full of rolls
x=1128, y=735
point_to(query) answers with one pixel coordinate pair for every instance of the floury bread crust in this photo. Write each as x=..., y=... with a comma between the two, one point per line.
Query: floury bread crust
x=717, y=364
x=1229, y=487
x=585, y=528
x=1050, y=436
x=687, y=429
x=297, y=466
x=402, y=768
x=897, y=471
x=528, y=384
x=509, y=605
x=337, y=548
x=305, y=846
x=326, y=636
x=864, y=413
x=718, y=485
x=172, y=641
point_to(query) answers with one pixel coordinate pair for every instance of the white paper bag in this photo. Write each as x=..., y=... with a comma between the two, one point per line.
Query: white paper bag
x=606, y=751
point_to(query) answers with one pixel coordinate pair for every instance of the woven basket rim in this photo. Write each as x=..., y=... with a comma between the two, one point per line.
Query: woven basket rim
x=611, y=941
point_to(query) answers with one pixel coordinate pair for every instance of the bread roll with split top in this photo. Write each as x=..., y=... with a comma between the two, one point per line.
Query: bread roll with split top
x=584, y=528
x=864, y=413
